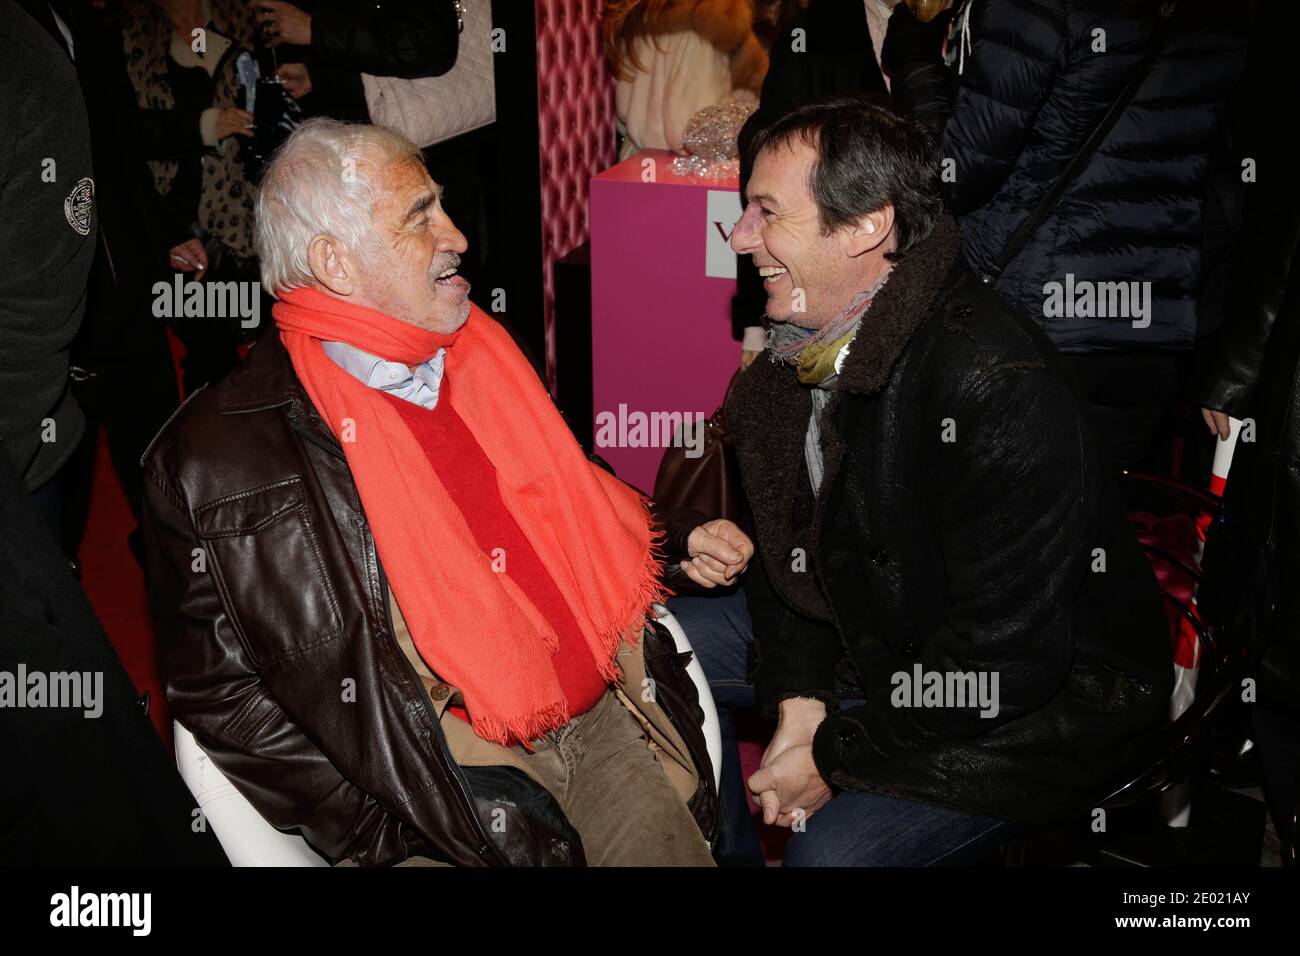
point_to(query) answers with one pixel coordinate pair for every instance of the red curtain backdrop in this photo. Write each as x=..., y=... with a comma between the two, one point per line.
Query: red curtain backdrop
x=575, y=103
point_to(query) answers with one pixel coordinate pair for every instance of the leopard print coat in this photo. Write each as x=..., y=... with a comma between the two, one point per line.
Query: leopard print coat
x=227, y=197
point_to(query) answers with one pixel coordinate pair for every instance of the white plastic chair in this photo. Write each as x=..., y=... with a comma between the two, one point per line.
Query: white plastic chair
x=712, y=728
x=243, y=832
x=250, y=841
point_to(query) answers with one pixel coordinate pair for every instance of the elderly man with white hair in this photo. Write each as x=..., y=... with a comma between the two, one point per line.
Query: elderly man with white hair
x=396, y=604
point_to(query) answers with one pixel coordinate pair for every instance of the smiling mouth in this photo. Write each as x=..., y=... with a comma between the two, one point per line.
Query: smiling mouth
x=771, y=274
x=451, y=278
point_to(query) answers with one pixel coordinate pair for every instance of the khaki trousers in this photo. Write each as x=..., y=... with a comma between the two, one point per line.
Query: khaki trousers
x=606, y=778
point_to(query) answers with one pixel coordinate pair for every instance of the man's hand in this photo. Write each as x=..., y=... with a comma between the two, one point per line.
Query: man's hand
x=719, y=552
x=799, y=719
x=282, y=23
x=747, y=357
x=790, y=788
x=295, y=79
x=1218, y=422
x=189, y=256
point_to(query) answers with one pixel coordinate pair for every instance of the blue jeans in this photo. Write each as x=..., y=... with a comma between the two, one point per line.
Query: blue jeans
x=855, y=828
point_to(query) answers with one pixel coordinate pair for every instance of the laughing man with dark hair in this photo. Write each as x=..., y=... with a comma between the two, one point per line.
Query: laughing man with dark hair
x=950, y=618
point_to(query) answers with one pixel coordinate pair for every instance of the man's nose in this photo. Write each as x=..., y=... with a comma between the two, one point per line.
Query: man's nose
x=744, y=236
x=451, y=239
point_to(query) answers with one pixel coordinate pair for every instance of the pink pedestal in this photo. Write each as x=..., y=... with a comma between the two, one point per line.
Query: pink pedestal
x=662, y=278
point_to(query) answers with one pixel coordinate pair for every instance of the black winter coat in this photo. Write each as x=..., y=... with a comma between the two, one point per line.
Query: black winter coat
x=1035, y=83
x=78, y=790
x=134, y=221
x=48, y=231
x=974, y=554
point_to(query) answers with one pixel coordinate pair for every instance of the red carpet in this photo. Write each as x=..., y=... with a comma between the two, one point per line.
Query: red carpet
x=113, y=580
x=115, y=585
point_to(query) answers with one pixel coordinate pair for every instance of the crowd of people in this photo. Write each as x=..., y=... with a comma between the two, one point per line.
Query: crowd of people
x=992, y=251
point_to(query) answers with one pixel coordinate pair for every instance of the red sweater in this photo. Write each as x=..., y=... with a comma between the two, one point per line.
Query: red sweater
x=471, y=480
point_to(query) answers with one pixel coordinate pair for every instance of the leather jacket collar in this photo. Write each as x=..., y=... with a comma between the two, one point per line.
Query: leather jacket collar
x=267, y=380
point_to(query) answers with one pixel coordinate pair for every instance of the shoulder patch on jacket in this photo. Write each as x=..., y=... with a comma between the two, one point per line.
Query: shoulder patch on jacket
x=79, y=205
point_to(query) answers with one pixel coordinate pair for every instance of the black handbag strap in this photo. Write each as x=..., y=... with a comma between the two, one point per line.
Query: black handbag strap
x=1072, y=169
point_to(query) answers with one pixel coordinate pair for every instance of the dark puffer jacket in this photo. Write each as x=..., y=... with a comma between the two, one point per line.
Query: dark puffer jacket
x=975, y=554
x=1037, y=79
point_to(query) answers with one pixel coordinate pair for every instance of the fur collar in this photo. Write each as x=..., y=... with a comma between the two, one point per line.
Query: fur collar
x=768, y=409
x=898, y=311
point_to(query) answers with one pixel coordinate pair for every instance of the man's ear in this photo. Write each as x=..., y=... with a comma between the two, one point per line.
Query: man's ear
x=330, y=265
x=873, y=232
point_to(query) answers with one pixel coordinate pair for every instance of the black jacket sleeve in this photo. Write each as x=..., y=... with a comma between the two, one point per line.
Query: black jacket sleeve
x=1260, y=265
x=924, y=90
x=164, y=135
x=404, y=38
x=1267, y=259
x=912, y=56
x=1011, y=582
x=785, y=88
x=791, y=655
x=826, y=51
x=48, y=224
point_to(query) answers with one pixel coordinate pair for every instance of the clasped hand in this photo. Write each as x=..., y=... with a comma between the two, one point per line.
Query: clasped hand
x=719, y=552
x=787, y=786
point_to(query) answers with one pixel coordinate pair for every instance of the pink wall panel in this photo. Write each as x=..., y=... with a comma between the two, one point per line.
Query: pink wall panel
x=662, y=278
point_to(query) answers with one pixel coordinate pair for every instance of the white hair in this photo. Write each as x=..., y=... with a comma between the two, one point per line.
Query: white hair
x=321, y=183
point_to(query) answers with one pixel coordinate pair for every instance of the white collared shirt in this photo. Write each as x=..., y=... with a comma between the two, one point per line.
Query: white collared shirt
x=419, y=387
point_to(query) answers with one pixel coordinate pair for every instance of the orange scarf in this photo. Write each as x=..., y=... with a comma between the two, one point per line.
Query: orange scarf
x=475, y=627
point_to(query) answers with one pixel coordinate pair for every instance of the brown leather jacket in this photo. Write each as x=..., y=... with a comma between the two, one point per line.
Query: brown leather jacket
x=276, y=645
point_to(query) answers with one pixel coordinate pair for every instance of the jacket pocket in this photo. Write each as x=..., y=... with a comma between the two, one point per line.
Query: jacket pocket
x=263, y=548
